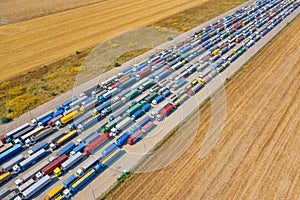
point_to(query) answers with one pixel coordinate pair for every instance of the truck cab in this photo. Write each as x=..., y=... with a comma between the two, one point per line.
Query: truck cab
x=67, y=193
x=57, y=172
x=16, y=169
x=19, y=182
x=52, y=146
x=80, y=172
x=29, y=142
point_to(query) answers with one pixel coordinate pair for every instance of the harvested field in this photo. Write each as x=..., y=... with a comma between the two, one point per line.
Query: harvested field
x=30, y=44
x=257, y=155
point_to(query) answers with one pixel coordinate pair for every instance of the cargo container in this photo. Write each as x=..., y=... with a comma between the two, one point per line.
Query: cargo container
x=14, y=161
x=140, y=66
x=43, y=134
x=108, y=95
x=54, y=120
x=33, y=158
x=54, y=192
x=126, y=71
x=36, y=187
x=4, y=192
x=147, y=127
x=75, y=187
x=106, y=162
x=32, y=133
x=109, y=150
x=88, y=123
x=10, y=152
x=78, y=148
x=137, y=114
x=6, y=147
x=21, y=133
x=155, y=73
x=132, y=110
x=33, y=170
x=79, y=121
x=91, y=138
x=127, y=83
x=123, y=139
x=4, y=177
x=162, y=75
x=36, y=148
x=26, y=185
x=177, y=66
x=78, y=101
x=179, y=83
x=131, y=95
x=69, y=180
x=66, y=149
x=120, y=112
x=93, y=104
x=146, y=85
x=71, y=161
x=42, y=117
x=108, y=127
x=165, y=111
x=100, y=108
x=157, y=99
x=96, y=143
x=144, y=72
x=90, y=162
x=54, y=139
x=134, y=137
x=66, y=137
x=124, y=123
x=69, y=117
x=112, y=107
x=49, y=168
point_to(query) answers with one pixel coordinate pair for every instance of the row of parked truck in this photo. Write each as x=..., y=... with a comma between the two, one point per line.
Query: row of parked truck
x=110, y=98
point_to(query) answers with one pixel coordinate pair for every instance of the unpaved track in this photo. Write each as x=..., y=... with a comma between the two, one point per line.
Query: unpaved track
x=33, y=43
x=257, y=156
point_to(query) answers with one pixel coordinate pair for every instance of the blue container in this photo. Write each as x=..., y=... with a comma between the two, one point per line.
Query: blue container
x=127, y=70
x=67, y=149
x=69, y=180
x=144, y=121
x=57, y=113
x=40, y=146
x=10, y=152
x=146, y=107
x=141, y=66
x=158, y=99
x=69, y=102
x=137, y=114
x=103, y=106
x=123, y=139
x=79, y=147
x=185, y=49
x=45, y=120
x=109, y=150
x=166, y=56
x=166, y=93
x=162, y=75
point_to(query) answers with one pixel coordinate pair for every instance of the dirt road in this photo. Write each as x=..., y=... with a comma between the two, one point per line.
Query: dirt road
x=257, y=154
x=33, y=43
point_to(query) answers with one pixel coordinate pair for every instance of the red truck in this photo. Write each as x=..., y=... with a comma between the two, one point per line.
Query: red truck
x=96, y=143
x=134, y=137
x=48, y=169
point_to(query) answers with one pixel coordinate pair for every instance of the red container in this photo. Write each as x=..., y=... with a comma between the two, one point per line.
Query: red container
x=155, y=62
x=147, y=127
x=134, y=137
x=96, y=143
x=115, y=85
x=239, y=39
x=56, y=163
x=3, y=139
x=166, y=110
x=145, y=72
x=238, y=26
x=224, y=45
x=124, y=78
x=179, y=45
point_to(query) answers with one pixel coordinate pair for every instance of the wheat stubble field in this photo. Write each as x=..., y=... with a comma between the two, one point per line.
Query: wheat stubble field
x=257, y=155
x=32, y=43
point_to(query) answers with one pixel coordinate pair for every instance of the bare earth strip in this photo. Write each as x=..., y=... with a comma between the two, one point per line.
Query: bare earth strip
x=257, y=155
x=33, y=43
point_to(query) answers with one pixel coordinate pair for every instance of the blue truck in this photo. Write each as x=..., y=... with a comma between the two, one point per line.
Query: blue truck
x=78, y=148
x=36, y=148
x=67, y=149
x=10, y=152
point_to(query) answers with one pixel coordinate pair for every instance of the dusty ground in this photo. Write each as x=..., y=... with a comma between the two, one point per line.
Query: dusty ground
x=257, y=155
x=33, y=43
x=14, y=11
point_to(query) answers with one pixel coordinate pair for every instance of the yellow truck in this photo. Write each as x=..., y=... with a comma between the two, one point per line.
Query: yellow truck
x=72, y=115
x=66, y=137
x=54, y=192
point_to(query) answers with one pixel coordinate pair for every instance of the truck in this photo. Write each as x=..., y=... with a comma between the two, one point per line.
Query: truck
x=109, y=150
x=144, y=121
x=147, y=127
x=29, y=135
x=69, y=180
x=137, y=114
x=112, y=124
x=131, y=95
x=90, y=162
x=179, y=83
x=88, y=106
x=38, y=119
x=150, y=97
x=23, y=132
x=146, y=85
x=134, y=137
x=32, y=172
x=33, y=159
x=4, y=192
x=10, y=152
x=111, y=108
x=69, y=117
x=78, y=101
x=96, y=143
x=165, y=111
x=6, y=147
x=36, y=148
x=123, y=139
x=120, y=126
x=65, y=138
x=78, y=121
x=90, y=138
x=158, y=99
x=54, y=139
x=120, y=112
x=132, y=110
x=37, y=186
x=93, y=120
x=49, y=168
x=66, y=149
x=42, y=134
x=100, y=108
x=54, y=192
x=106, y=162
x=108, y=95
x=162, y=75
x=127, y=83
x=26, y=185
x=71, y=161
x=136, y=85
x=78, y=148
x=54, y=120
x=14, y=161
